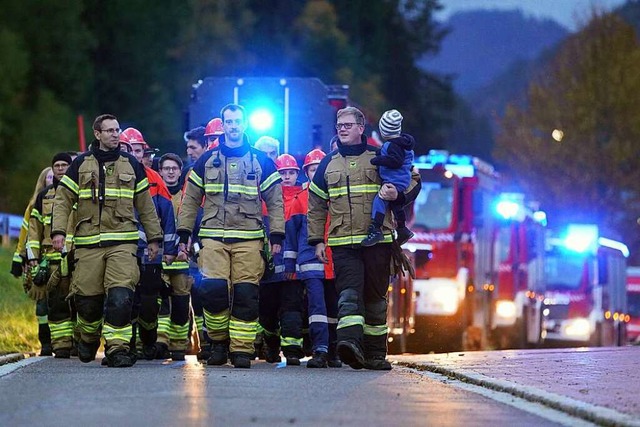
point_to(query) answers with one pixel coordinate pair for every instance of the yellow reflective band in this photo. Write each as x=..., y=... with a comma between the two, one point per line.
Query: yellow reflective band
x=64, y=267
x=70, y=184
x=25, y=224
x=121, y=193
x=243, y=189
x=217, y=322
x=142, y=185
x=288, y=341
x=33, y=244
x=106, y=237
x=214, y=188
x=88, y=327
x=271, y=179
x=175, y=265
x=354, y=189
x=61, y=330
x=178, y=332
x=231, y=234
x=17, y=257
x=36, y=214
x=195, y=179
x=376, y=330
x=42, y=320
x=112, y=333
x=147, y=325
x=351, y=320
x=53, y=256
x=318, y=192
x=47, y=220
x=164, y=324
x=69, y=239
x=354, y=240
x=199, y=322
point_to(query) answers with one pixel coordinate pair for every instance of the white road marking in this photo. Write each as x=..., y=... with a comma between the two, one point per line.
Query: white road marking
x=10, y=367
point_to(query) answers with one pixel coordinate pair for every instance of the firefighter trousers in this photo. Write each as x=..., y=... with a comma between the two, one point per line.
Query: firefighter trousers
x=281, y=311
x=103, y=284
x=229, y=291
x=362, y=280
x=322, y=309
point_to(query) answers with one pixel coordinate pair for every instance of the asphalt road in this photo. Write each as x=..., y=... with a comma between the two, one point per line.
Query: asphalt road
x=51, y=392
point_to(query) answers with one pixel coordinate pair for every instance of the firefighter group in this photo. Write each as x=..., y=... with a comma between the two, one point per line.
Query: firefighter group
x=239, y=254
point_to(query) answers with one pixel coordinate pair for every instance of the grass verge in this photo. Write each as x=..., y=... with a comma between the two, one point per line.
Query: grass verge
x=18, y=325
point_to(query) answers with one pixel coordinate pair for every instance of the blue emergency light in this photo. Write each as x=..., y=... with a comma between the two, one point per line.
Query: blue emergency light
x=261, y=120
x=581, y=238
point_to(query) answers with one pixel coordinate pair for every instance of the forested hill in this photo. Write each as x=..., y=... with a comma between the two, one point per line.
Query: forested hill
x=483, y=44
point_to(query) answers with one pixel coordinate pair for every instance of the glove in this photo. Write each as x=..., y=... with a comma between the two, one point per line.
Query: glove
x=54, y=280
x=17, y=269
x=399, y=262
x=40, y=277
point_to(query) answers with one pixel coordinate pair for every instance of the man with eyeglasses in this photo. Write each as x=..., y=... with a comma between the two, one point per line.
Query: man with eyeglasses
x=343, y=189
x=39, y=248
x=111, y=192
x=231, y=181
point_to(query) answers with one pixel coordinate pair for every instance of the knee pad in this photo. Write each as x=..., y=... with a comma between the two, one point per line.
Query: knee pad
x=180, y=309
x=89, y=308
x=376, y=312
x=214, y=295
x=348, y=303
x=245, y=301
x=118, y=306
x=150, y=279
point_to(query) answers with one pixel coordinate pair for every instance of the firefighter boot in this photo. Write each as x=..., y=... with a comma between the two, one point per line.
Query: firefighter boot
x=404, y=234
x=374, y=236
x=44, y=336
x=319, y=360
x=87, y=351
x=241, y=360
x=350, y=354
x=120, y=359
x=271, y=348
x=219, y=353
x=178, y=355
x=63, y=353
x=377, y=363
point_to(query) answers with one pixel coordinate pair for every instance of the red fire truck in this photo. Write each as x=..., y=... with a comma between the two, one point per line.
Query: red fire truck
x=585, y=299
x=516, y=309
x=633, y=305
x=452, y=255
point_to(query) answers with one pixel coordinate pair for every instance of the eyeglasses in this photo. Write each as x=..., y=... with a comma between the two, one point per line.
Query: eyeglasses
x=346, y=125
x=111, y=131
x=170, y=168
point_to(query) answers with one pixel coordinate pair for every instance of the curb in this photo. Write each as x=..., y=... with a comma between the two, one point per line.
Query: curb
x=11, y=358
x=586, y=411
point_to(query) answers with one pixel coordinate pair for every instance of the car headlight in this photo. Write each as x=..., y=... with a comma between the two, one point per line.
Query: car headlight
x=578, y=328
x=446, y=299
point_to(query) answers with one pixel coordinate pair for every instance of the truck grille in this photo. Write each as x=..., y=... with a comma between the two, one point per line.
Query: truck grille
x=558, y=312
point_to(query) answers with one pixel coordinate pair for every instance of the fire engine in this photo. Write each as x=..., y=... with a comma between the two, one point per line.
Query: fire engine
x=451, y=253
x=633, y=305
x=299, y=112
x=585, y=299
x=516, y=308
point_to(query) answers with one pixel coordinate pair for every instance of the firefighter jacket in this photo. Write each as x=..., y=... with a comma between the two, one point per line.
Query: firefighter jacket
x=21, y=249
x=39, y=235
x=299, y=255
x=344, y=187
x=164, y=209
x=109, y=187
x=233, y=182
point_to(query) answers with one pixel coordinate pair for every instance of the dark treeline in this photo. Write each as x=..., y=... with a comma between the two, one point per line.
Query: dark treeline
x=138, y=59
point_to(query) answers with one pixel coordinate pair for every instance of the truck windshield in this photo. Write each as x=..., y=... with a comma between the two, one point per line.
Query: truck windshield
x=564, y=271
x=433, y=208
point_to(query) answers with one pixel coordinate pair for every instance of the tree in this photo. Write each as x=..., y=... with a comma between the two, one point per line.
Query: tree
x=590, y=172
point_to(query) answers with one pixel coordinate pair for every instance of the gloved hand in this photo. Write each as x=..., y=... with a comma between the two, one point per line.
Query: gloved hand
x=17, y=268
x=54, y=279
x=39, y=274
x=37, y=292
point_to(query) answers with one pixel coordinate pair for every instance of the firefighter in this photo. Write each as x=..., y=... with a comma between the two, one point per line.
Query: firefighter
x=317, y=277
x=109, y=187
x=152, y=330
x=19, y=263
x=39, y=249
x=232, y=179
x=343, y=187
x=212, y=131
x=178, y=271
x=280, y=294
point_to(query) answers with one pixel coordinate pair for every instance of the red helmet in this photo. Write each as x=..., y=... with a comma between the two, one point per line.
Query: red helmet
x=213, y=144
x=313, y=157
x=214, y=127
x=286, y=161
x=132, y=136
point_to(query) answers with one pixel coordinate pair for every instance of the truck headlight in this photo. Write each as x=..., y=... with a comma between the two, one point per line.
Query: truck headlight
x=578, y=328
x=446, y=299
x=506, y=309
